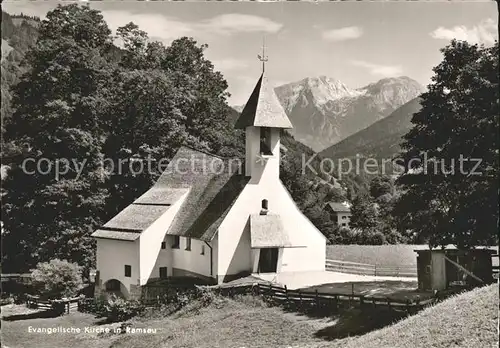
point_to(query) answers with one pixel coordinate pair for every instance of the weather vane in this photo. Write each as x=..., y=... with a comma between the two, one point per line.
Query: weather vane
x=263, y=57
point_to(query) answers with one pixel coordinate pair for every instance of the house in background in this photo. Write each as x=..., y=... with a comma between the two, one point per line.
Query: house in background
x=213, y=224
x=340, y=213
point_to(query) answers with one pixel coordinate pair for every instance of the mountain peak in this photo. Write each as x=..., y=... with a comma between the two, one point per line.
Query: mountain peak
x=323, y=110
x=318, y=90
x=394, y=91
x=392, y=83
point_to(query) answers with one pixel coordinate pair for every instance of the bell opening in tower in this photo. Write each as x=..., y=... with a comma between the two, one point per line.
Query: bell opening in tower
x=265, y=141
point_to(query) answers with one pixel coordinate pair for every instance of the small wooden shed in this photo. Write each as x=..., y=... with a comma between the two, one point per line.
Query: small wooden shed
x=440, y=269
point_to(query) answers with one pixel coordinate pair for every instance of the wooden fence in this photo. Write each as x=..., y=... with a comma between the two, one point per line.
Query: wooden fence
x=67, y=306
x=309, y=301
x=373, y=270
x=332, y=303
x=16, y=277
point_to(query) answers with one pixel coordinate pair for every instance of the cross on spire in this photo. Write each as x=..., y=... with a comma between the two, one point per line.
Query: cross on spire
x=263, y=58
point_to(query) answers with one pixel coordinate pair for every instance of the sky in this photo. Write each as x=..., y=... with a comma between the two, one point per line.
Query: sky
x=355, y=42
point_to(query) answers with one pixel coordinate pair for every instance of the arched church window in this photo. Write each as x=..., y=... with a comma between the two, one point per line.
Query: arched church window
x=265, y=204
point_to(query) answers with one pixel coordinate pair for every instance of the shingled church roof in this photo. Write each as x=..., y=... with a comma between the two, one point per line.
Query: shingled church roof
x=263, y=108
x=212, y=183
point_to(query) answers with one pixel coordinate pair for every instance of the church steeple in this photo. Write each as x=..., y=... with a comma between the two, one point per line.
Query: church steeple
x=263, y=108
x=263, y=117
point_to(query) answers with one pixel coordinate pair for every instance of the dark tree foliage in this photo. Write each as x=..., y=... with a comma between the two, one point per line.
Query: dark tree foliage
x=84, y=100
x=450, y=196
x=20, y=38
x=56, y=117
x=380, y=185
x=364, y=213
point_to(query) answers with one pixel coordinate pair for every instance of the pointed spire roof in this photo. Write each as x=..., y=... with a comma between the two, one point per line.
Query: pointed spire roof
x=263, y=108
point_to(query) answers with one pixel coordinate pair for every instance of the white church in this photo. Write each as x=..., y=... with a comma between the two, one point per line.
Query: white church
x=212, y=225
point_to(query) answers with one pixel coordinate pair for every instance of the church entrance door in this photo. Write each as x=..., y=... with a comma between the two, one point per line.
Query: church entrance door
x=268, y=260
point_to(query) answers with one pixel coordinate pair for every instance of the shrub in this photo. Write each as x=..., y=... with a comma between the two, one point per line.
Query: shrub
x=91, y=305
x=20, y=298
x=118, y=309
x=57, y=278
x=7, y=300
x=377, y=238
x=371, y=237
x=206, y=296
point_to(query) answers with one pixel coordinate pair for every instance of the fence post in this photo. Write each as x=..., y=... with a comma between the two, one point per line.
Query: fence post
x=286, y=295
x=300, y=299
x=375, y=270
x=408, y=306
x=335, y=302
x=317, y=299
x=389, y=303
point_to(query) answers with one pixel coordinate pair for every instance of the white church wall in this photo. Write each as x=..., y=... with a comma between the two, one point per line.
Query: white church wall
x=307, y=258
x=164, y=259
x=150, y=241
x=112, y=256
x=215, y=254
x=192, y=261
x=254, y=161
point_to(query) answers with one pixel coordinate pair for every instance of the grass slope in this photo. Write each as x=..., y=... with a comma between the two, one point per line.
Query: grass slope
x=387, y=255
x=466, y=320
x=246, y=322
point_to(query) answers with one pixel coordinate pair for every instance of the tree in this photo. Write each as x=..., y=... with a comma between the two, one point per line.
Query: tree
x=57, y=124
x=380, y=185
x=83, y=100
x=57, y=278
x=451, y=153
x=155, y=105
x=146, y=127
x=19, y=38
x=364, y=213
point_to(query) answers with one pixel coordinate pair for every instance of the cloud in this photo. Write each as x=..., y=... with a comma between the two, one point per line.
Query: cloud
x=168, y=28
x=156, y=25
x=483, y=33
x=229, y=64
x=240, y=87
x=346, y=33
x=234, y=23
x=377, y=69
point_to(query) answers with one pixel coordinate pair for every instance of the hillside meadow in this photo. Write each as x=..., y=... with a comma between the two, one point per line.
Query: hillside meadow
x=466, y=320
x=387, y=255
